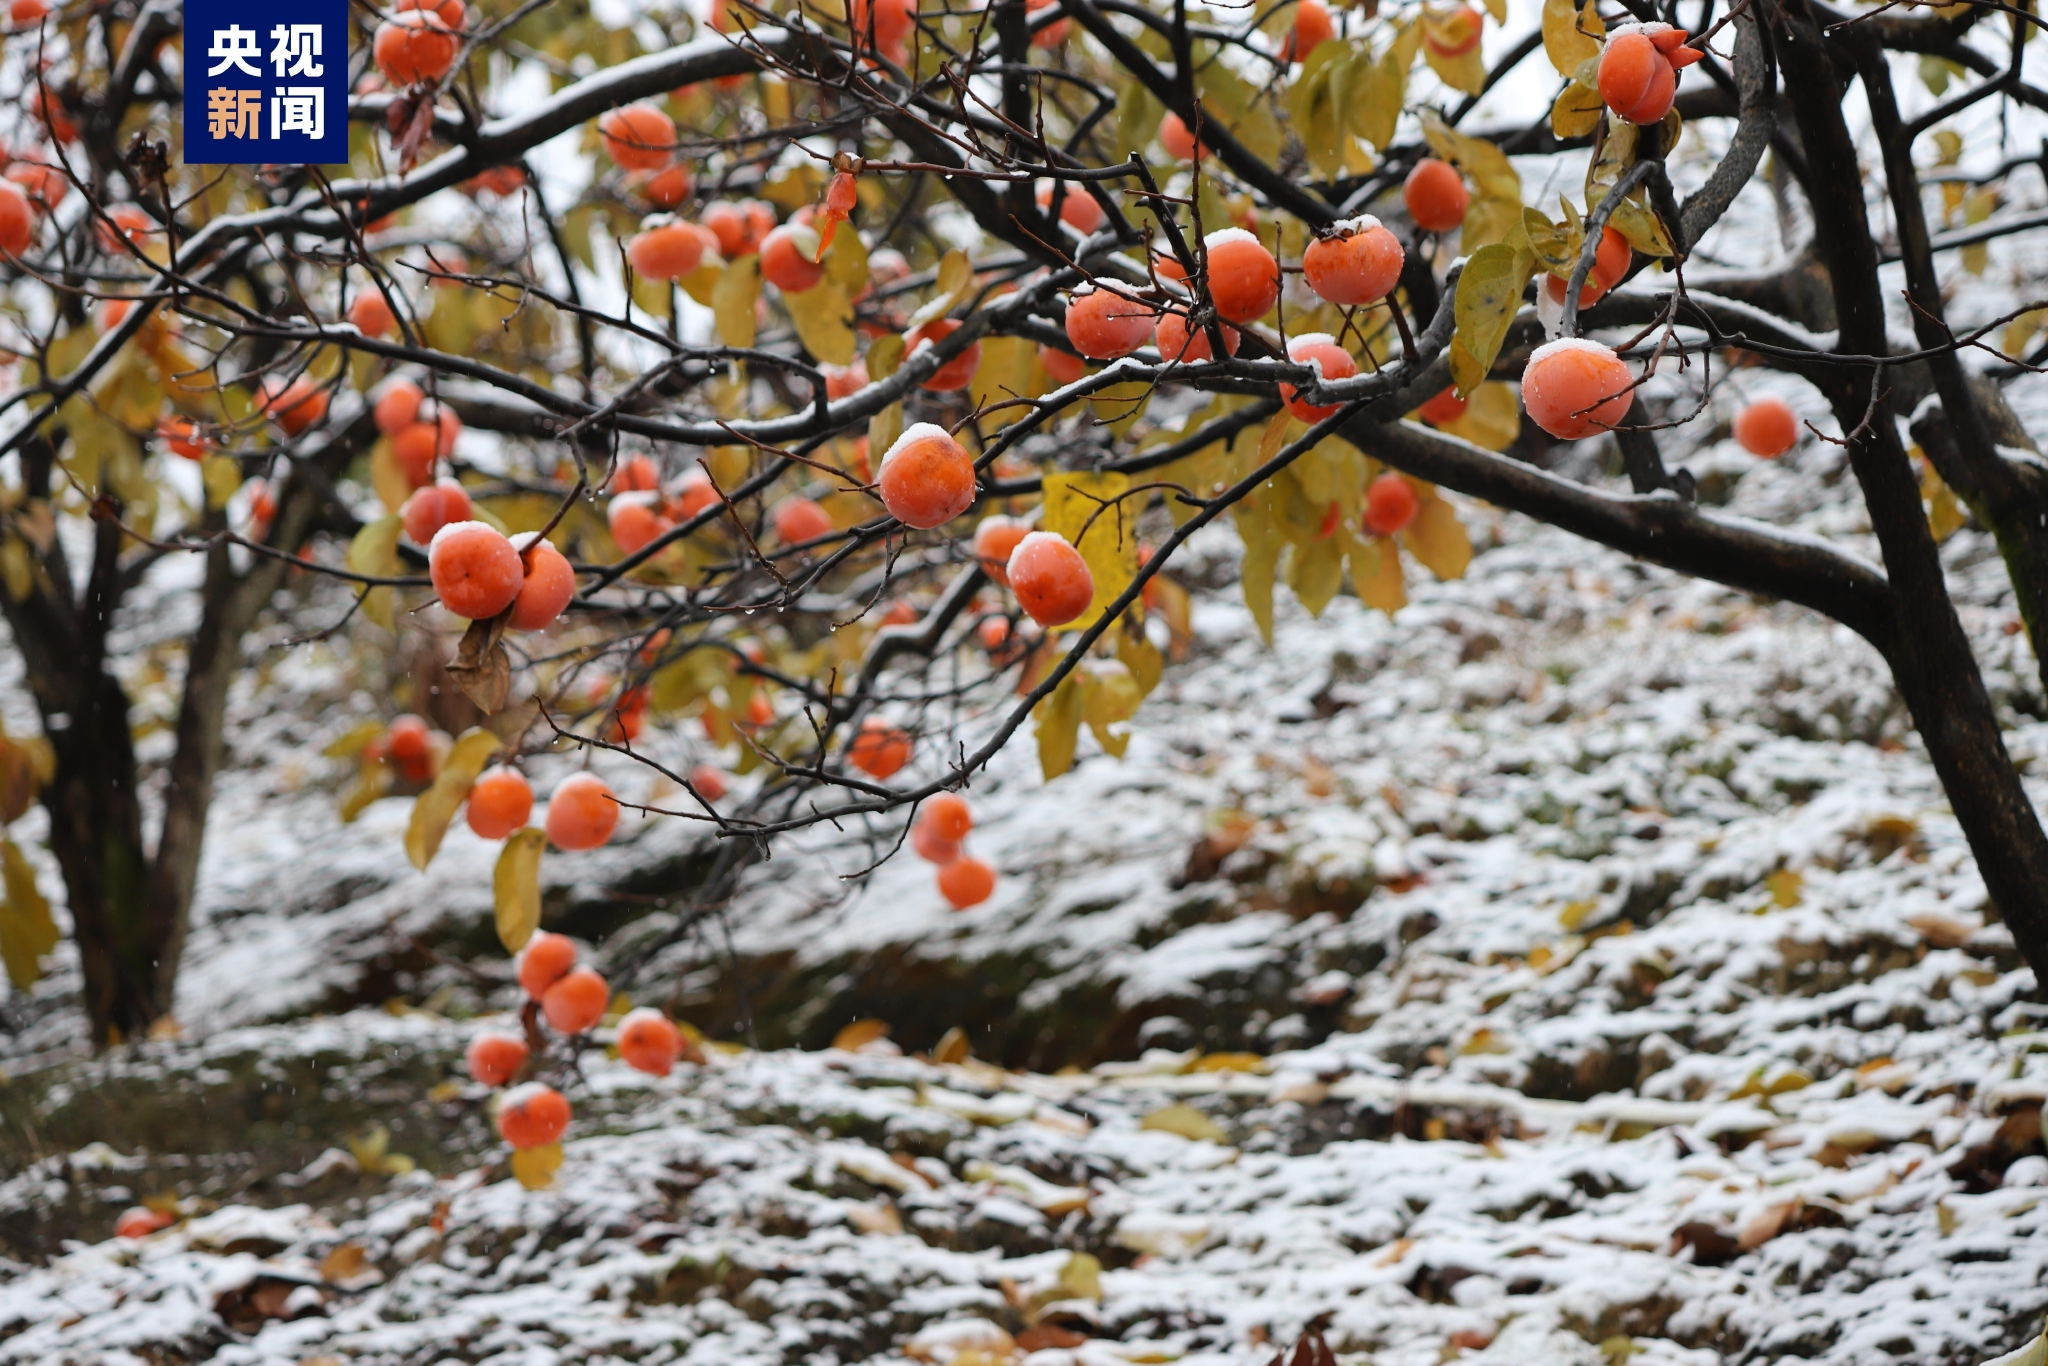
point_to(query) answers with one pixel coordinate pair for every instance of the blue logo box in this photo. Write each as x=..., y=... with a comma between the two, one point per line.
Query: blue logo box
x=266, y=82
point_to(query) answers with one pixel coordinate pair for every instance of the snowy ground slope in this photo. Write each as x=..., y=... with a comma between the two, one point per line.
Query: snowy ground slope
x=1624, y=984
x=784, y=1208
x=1649, y=1008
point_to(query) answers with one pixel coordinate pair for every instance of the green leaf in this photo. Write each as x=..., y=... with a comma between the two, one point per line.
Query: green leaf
x=1489, y=294
x=515, y=887
x=435, y=808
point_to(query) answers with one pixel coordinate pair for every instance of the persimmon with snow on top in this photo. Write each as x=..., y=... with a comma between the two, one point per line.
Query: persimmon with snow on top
x=546, y=959
x=1103, y=324
x=1574, y=388
x=475, y=571
x=638, y=137
x=582, y=813
x=1178, y=342
x=1051, y=580
x=927, y=478
x=1244, y=279
x=532, y=1116
x=1358, y=263
x=548, y=585
x=1331, y=361
x=500, y=801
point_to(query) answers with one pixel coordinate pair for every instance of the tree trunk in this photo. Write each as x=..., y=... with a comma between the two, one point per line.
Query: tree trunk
x=1929, y=652
x=96, y=834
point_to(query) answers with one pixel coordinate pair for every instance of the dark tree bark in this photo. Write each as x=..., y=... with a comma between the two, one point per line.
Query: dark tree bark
x=131, y=906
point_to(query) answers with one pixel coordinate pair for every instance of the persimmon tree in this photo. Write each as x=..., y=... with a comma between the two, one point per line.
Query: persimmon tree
x=854, y=407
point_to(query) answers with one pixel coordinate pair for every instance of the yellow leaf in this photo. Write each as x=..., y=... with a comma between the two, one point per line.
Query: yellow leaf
x=1489, y=295
x=1186, y=1121
x=17, y=567
x=1945, y=516
x=651, y=296
x=956, y=273
x=1377, y=576
x=1437, y=539
x=701, y=284
x=535, y=1168
x=1241, y=107
x=1090, y=512
x=952, y=1047
x=1004, y=373
x=1492, y=417
x=1081, y=1277
x=1483, y=163
x=27, y=930
x=733, y=299
x=372, y=782
x=1576, y=111
x=2018, y=333
x=824, y=322
x=1315, y=571
x=885, y=356
x=846, y=263
x=353, y=741
x=1119, y=406
x=1786, y=886
x=883, y=429
x=1262, y=545
x=1633, y=219
x=1057, y=723
x=1465, y=73
x=1230, y=1062
x=436, y=807
x=374, y=550
x=859, y=1034
x=1377, y=95
x=1312, y=103
x=1142, y=658
x=1571, y=35
x=515, y=887
x=1109, y=697
x=387, y=477
x=223, y=476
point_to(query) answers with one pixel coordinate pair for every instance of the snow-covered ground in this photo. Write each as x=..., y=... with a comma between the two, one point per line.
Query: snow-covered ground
x=1623, y=988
